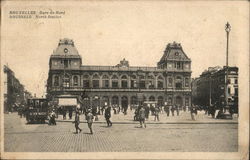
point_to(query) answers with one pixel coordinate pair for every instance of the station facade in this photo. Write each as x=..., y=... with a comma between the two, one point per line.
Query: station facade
x=120, y=85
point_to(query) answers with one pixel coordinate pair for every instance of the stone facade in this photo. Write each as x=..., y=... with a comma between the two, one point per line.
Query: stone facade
x=169, y=81
x=209, y=88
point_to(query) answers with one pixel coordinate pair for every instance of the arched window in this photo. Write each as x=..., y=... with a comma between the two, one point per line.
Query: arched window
x=56, y=81
x=115, y=101
x=75, y=80
x=142, y=83
x=133, y=81
x=160, y=100
x=151, y=98
x=86, y=81
x=160, y=82
x=105, y=81
x=150, y=81
x=124, y=81
x=170, y=100
x=105, y=99
x=133, y=100
x=187, y=101
x=170, y=82
x=114, y=81
x=96, y=80
x=186, y=82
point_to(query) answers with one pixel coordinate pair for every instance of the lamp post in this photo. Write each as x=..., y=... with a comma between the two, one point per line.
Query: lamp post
x=226, y=114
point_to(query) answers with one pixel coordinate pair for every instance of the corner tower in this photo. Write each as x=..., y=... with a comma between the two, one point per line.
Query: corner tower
x=65, y=56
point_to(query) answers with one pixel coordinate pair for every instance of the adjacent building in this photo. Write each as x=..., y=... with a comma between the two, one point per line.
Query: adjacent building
x=119, y=85
x=14, y=92
x=209, y=88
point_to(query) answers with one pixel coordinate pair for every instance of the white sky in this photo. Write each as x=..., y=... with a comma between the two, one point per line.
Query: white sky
x=106, y=32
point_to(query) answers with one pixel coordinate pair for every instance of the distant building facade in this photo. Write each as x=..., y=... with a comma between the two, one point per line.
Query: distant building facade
x=119, y=85
x=209, y=88
x=14, y=91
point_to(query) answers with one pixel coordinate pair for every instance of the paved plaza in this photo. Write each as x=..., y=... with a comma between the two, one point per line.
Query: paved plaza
x=121, y=137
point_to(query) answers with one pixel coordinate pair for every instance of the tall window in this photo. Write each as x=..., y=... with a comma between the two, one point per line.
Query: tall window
x=86, y=81
x=236, y=81
x=96, y=81
x=186, y=101
x=178, y=84
x=142, y=82
x=160, y=82
x=133, y=81
x=115, y=101
x=150, y=82
x=105, y=81
x=133, y=100
x=160, y=100
x=229, y=90
x=56, y=81
x=114, y=81
x=170, y=82
x=151, y=98
x=186, y=82
x=66, y=63
x=170, y=100
x=124, y=82
x=66, y=81
x=236, y=91
x=75, y=80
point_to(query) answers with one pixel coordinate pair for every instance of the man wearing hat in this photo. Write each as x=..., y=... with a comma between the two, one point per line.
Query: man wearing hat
x=108, y=115
x=89, y=118
x=77, y=122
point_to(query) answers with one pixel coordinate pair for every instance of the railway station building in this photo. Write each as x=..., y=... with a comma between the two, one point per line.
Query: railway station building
x=119, y=85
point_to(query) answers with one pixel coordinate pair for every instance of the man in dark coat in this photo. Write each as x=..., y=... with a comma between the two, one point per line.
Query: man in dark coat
x=108, y=115
x=77, y=122
x=142, y=116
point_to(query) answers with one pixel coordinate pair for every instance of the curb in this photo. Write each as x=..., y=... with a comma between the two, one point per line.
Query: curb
x=181, y=122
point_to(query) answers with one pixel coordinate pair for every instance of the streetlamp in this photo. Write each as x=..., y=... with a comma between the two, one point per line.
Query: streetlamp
x=226, y=114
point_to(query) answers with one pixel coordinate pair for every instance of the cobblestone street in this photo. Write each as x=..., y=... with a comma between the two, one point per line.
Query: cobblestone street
x=20, y=137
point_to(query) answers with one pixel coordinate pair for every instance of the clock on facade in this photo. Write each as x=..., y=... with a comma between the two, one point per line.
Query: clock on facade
x=176, y=53
x=65, y=50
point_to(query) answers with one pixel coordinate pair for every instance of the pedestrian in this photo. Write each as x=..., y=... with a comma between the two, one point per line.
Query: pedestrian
x=147, y=111
x=172, y=109
x=64, y=113
x=193, y=111
x=52, y=117
x=157, y=111
x=213, y=110
x=70, y=112
x=142, y=117
x=152, y=109
x=89, y=119
x=77, y=122
x=107, y=115
x=166, y=108
x=136, y=116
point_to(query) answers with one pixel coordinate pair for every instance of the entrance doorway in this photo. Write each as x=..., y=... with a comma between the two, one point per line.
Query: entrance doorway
x=124, y=104
x=178, y=101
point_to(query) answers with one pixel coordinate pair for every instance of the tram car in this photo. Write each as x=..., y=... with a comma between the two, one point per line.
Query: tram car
x=37, y=110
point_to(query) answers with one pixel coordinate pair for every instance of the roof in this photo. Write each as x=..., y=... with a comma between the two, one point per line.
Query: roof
x=66, y=48
x=174, y=51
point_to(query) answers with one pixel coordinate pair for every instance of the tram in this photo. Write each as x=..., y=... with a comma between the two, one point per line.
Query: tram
x=37, y=110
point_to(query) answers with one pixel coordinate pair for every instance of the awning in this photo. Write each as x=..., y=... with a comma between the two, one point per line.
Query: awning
x=67, y=102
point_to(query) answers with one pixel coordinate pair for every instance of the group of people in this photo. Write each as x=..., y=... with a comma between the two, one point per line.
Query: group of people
x=89, y=116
